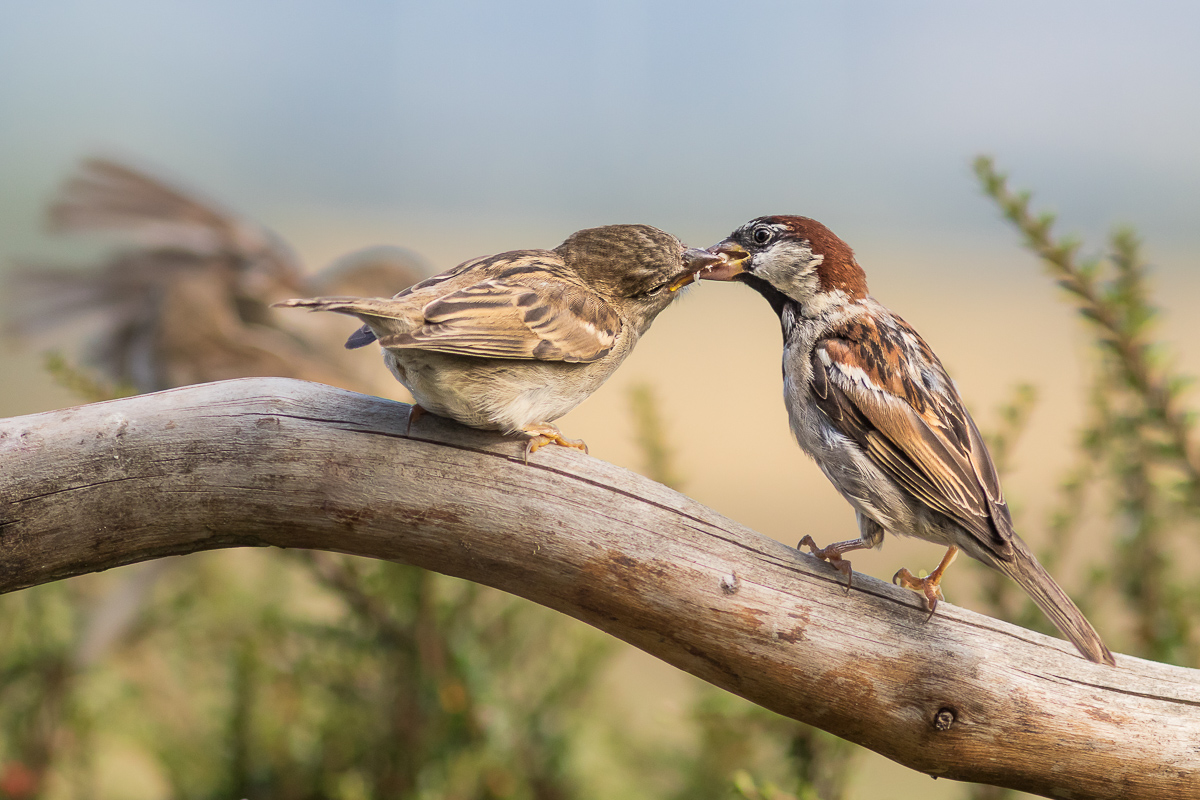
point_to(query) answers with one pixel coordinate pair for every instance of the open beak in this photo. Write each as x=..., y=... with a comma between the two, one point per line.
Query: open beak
x=695, y=261
x=734, y=260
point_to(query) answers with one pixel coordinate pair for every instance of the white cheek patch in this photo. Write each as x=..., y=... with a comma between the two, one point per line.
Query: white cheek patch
x=785, y=255
x=790, y=266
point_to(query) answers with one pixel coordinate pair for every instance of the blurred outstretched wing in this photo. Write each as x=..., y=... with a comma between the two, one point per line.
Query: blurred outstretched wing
x=104, y=196
x=187, y=297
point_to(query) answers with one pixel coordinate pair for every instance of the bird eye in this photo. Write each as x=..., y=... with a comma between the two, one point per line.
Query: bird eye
x=762, y=235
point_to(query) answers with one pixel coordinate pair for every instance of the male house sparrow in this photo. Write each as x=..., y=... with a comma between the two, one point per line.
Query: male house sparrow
x=871, y=403
x=511, y=342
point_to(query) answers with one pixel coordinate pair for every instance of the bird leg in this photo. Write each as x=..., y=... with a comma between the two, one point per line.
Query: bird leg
x=833, y=554
x=930, y=585
x=545, y=434
x=415, y=412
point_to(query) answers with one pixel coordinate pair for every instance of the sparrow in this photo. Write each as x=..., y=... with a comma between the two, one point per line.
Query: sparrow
x=511, y=342
x=186, y=296
x=869, y=401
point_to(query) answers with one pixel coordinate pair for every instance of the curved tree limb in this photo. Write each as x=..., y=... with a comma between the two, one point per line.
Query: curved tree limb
x=276, y=462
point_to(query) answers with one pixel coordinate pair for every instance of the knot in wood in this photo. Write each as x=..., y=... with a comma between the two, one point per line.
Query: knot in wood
x=943, y=719
x=730, y=583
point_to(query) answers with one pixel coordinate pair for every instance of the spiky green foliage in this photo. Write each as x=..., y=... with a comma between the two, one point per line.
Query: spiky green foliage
x=1136, y=455
x=1137, y=448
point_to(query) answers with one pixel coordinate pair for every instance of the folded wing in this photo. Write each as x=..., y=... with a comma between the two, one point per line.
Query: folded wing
x=917, y=433
x=529, y=309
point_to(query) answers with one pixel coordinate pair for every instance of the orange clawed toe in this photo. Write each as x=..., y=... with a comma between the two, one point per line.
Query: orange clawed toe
x=930, y=586
x=542, y=435
x=833, y=554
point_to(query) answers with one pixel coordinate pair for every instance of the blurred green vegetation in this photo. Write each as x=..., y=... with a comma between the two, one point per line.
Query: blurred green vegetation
x=1136, y=484
x=306, y=675
x=1131, y=504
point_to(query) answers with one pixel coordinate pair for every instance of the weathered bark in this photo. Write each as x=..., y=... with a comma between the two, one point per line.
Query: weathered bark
x=278, y=462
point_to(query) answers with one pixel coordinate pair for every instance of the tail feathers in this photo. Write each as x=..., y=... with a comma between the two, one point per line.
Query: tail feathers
x=382, y=315
x=361, y=338
x=357, y=306
x=1054, y=603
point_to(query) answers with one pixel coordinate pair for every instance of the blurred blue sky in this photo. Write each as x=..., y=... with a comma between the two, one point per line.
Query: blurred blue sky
x=690, y=115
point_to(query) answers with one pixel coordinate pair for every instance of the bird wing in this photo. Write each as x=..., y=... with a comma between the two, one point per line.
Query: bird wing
x=525, y=304
x=882, y=387
x=107, y=196
x=366, y=335
x=546, y=320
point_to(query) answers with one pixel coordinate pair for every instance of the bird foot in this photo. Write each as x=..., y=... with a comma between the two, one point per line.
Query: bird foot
x=833, y=554
x=926, y=587
x=542, y=435
x=930, y=586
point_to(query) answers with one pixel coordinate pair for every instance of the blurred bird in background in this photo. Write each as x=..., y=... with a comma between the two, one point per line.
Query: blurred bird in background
x=187, y=297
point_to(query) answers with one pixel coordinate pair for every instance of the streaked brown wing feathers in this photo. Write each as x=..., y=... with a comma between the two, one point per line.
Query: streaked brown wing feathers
x=547, y=320
x=936, y=455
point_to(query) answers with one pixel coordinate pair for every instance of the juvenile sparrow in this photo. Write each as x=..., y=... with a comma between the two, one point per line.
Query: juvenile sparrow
x=872, y=405
x=511, y=342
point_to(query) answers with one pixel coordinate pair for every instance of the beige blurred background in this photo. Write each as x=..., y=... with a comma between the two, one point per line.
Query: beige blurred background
x=469, y=129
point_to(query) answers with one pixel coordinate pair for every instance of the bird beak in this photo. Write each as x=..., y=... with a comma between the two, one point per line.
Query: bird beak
x=734, y=260
x=695, y=260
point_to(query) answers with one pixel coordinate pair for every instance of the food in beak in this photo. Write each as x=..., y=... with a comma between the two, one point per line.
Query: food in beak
x=733, y=262
x=696, y=261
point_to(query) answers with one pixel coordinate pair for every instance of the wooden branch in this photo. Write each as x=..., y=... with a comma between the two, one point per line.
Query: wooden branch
x=279, y=462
